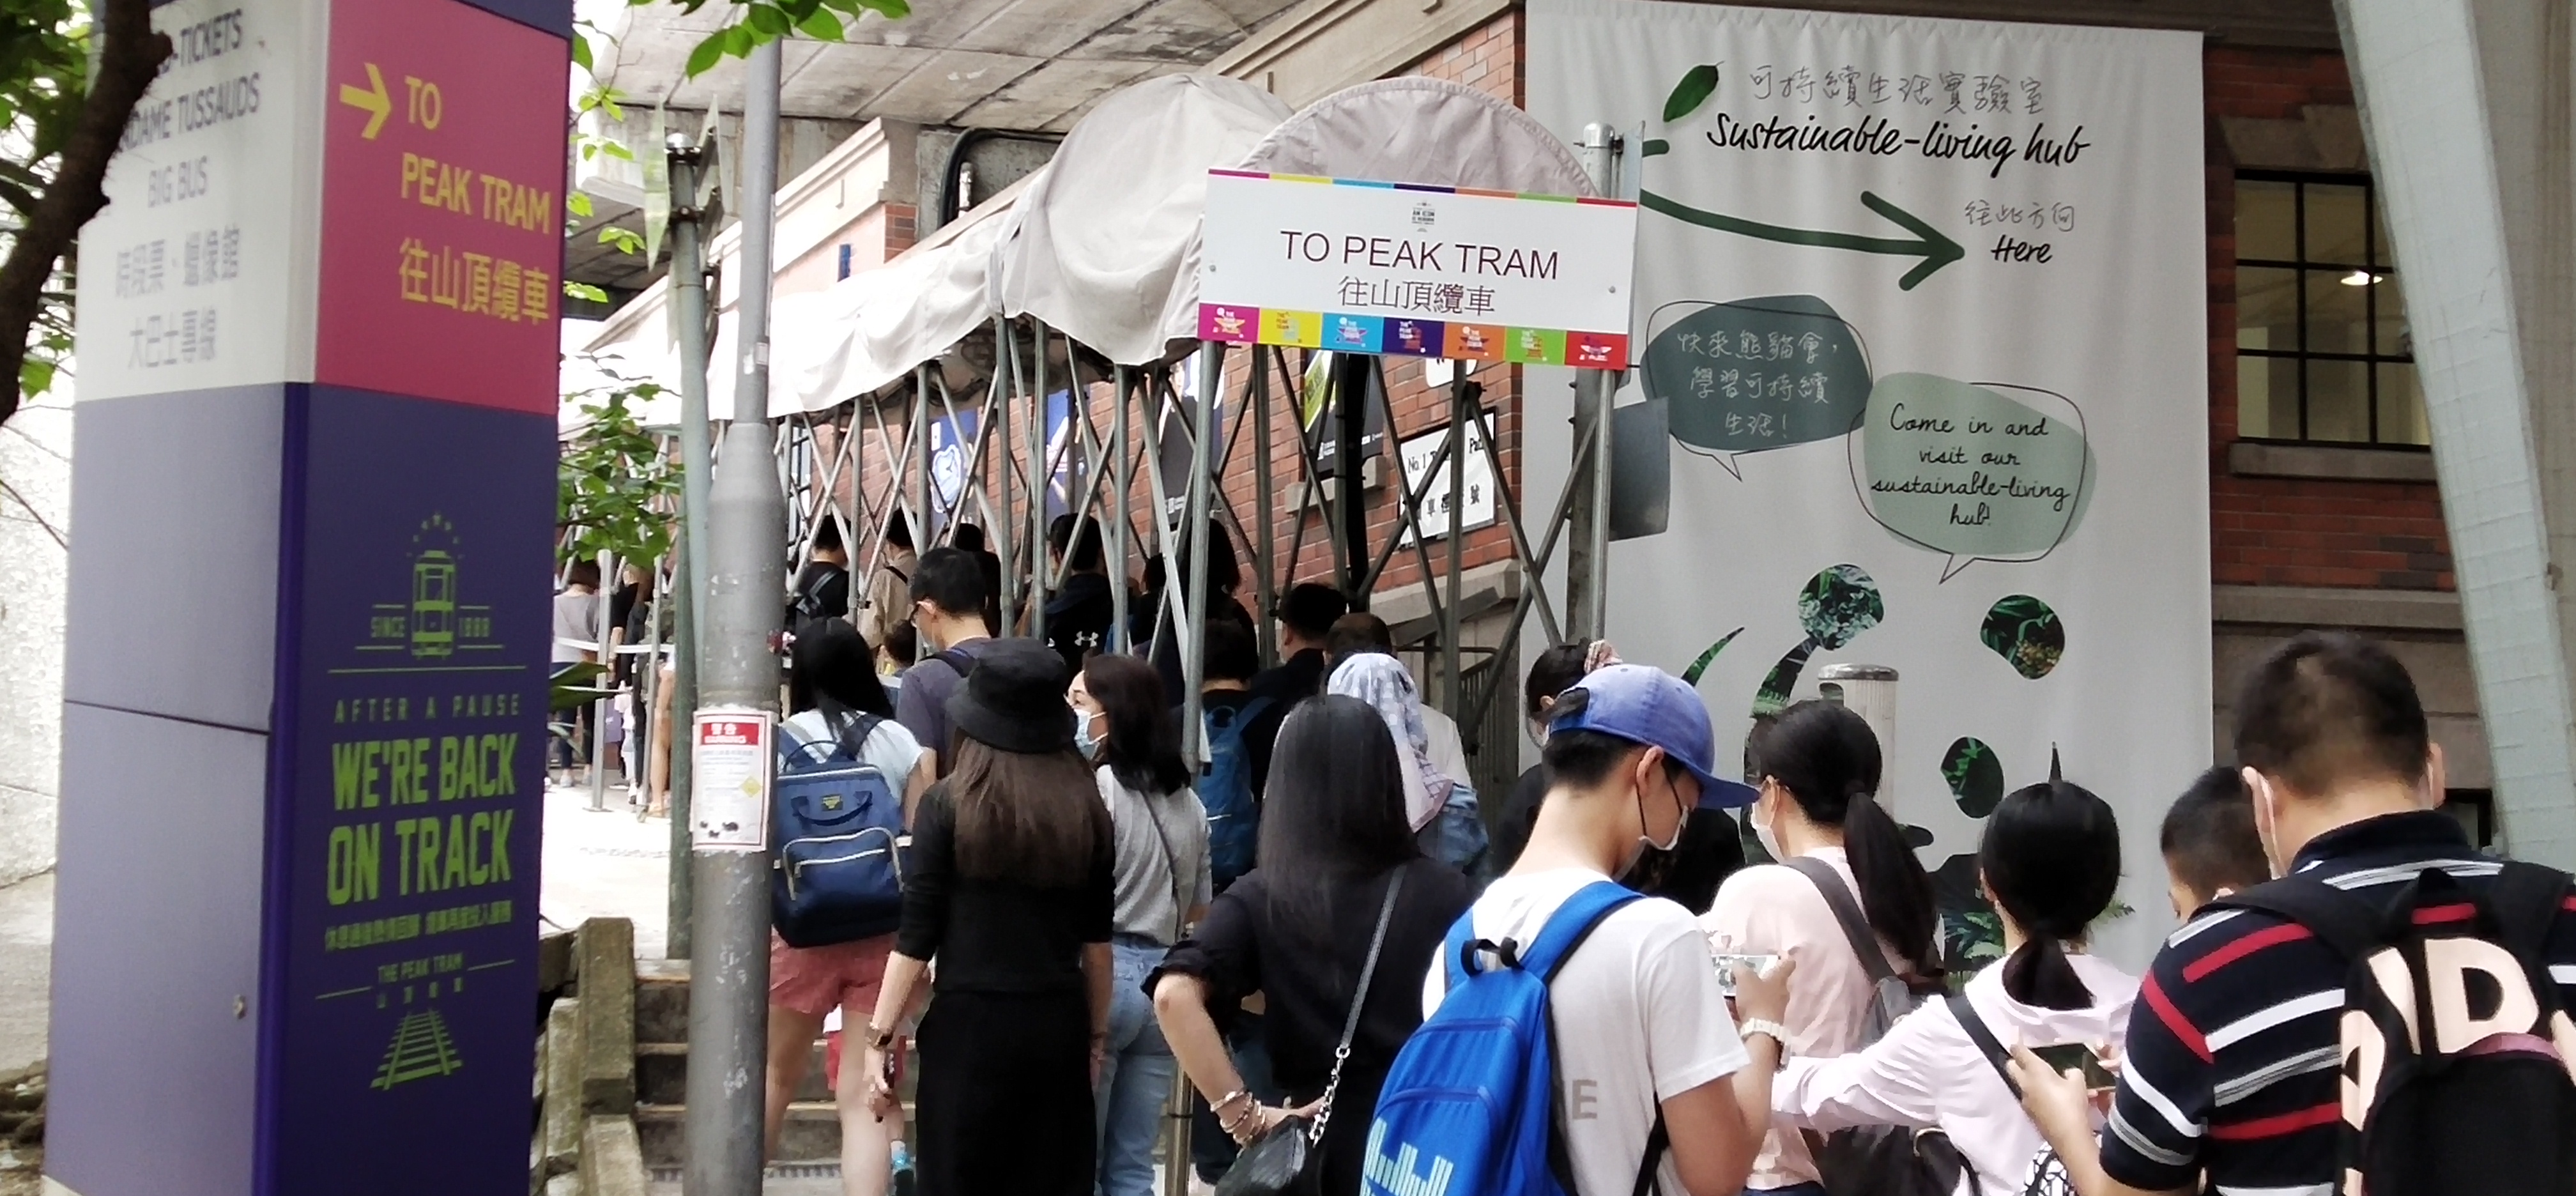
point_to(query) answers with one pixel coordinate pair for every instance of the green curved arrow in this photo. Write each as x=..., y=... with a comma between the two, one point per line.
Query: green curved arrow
x=1928, y=243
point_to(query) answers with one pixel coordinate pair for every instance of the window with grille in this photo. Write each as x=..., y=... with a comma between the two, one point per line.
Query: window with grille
x=2323, y=354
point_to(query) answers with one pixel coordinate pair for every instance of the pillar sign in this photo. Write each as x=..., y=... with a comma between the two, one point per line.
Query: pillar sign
x=304, y=732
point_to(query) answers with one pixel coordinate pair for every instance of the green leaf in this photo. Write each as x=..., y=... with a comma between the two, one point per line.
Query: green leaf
x=767, y=21
x=1696, y=86
x=581, y=52
x=578, y=204
x=1656, y=147
x=823, y=25
x=739, y=41
x=799, y=11
x=616, y=150
x=709, y=52
x=583, y=290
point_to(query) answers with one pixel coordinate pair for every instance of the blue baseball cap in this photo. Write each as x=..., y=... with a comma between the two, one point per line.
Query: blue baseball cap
x=1646, y=705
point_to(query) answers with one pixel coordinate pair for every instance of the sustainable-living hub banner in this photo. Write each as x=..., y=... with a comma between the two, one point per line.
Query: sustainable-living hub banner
x=1924, y=304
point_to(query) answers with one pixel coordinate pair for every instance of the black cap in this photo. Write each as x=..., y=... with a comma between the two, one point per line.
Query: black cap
x=1013, y=699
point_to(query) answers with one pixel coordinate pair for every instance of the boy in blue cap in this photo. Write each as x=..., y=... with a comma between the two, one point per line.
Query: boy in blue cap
x=1631, y=755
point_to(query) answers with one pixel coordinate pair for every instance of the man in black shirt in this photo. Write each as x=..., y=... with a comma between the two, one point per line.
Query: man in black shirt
x=822, y=588
x=1078, y=617
x=1231, y=660
x=1306, y=614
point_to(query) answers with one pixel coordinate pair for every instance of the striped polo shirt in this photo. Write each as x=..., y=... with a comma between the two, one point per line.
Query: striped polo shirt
x=2233, y=1065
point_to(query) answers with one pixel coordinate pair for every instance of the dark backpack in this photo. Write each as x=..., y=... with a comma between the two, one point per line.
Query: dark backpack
x=1225, y=789
x=838, y=876
x=2482, y=1102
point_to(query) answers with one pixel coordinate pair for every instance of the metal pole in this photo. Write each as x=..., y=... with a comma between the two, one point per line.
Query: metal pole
x=677, y=931
x=1118, y=534
x=1193, y=636
x=1265, y=550
x=746, y=573
x=607, y=595
x=997, y=415
x=1350, y=402
x=688, y=565
x=1449, y=629
x=1587, y=557
x=1041, y=447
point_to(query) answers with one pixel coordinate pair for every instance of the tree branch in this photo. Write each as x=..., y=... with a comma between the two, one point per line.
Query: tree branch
x=33, y=515
x=129, y=57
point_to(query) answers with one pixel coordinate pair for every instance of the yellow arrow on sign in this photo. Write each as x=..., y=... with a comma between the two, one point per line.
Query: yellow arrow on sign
x=371, y=100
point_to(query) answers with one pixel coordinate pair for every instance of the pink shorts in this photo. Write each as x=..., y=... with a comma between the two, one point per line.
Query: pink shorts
x=812, y=980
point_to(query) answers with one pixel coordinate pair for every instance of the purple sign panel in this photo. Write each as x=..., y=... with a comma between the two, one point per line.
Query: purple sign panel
x=411, y=747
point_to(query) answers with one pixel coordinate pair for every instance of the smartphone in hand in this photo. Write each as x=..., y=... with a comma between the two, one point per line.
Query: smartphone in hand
x=1727, y=962
x=2076, y=1056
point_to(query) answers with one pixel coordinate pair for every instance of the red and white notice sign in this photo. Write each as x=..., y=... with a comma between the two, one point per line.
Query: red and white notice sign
x=730, y=760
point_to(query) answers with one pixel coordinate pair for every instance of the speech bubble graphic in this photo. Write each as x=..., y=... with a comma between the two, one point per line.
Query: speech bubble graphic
x=1981, y=471
x=2026, y=633
x=1756, y=374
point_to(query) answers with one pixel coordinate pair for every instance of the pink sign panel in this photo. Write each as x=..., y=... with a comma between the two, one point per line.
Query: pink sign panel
x=443, y=218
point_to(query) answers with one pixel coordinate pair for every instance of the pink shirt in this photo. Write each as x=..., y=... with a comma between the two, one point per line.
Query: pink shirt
x=1773, y=910
x=1926, y=1073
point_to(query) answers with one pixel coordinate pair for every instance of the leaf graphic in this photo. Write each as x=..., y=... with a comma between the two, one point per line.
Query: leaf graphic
x=1691, y=92
x=1690, y=676
x=1773, y=694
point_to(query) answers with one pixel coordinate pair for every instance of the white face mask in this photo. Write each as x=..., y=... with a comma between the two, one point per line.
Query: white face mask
x=1762, y=831
x=1083, y=741
x=1681, y=821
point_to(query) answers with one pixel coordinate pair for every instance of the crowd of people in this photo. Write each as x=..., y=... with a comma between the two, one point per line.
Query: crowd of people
x=1086, y=911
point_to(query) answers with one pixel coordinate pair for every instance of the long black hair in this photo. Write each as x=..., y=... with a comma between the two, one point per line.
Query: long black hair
x=1828, y=759
x=831, y=669
x=2051, y=859
x=1141, y=747
x=1333, y=811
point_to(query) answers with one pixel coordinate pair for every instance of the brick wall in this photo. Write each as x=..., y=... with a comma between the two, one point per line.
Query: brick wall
x=2285, y=531
x=1488, y=59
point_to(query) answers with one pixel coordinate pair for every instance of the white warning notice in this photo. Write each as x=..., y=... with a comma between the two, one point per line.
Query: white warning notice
x=730, y=765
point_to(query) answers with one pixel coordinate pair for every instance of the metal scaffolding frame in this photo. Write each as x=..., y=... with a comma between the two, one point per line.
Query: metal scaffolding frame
x=871, y=459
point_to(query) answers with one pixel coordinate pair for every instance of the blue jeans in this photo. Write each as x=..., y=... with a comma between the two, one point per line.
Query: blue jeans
x=1136, y=1078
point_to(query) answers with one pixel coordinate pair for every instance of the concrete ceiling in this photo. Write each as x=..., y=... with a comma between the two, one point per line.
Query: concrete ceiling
x=1034, y=65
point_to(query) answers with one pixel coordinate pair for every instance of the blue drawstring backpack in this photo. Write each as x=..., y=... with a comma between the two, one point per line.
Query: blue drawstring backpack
x=1469, y=1109
x=839, y=829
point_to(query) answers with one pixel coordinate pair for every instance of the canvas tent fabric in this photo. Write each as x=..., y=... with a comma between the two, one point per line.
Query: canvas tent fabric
x=873, y=327
x=1106, y=248
x=1421, y=130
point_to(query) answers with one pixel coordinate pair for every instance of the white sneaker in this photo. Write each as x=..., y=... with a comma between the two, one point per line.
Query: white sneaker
x=1200, y=1187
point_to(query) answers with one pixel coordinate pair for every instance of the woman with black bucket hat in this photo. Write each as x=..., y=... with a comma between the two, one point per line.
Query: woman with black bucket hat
x=1011, y=884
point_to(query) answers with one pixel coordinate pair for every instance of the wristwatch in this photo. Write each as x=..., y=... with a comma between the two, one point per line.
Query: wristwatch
x=879, y=1040
x=1777, y=1033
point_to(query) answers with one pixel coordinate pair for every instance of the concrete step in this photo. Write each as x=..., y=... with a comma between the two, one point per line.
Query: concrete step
x=812, y=1132
x=661, y=1000
x=662, y=1073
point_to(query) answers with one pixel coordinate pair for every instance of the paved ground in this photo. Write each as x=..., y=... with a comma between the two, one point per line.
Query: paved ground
x=606, y=864
x=790, y=1181
x=26, y=968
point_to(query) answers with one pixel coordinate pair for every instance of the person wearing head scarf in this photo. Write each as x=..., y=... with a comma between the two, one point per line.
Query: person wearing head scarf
x=1384, y=683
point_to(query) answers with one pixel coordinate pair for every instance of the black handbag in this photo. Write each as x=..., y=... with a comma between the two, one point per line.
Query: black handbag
x=1284, y=1160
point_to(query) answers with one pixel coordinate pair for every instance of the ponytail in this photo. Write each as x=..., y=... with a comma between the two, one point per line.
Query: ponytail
x=2051, y=859
x=1828, y=759
x=1895, y=892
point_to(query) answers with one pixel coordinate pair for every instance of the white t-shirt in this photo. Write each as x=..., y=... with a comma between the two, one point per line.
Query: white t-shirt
x=1448, y=753
x=889, y=747
x=1640, y=1020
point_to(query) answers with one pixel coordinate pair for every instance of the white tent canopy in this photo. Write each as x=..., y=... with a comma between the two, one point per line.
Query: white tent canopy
x=1421, y=130
x=873, y=327
x=1106, y=248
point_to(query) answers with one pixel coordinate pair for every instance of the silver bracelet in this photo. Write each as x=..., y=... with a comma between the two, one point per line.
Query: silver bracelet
x=1777, y=1033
